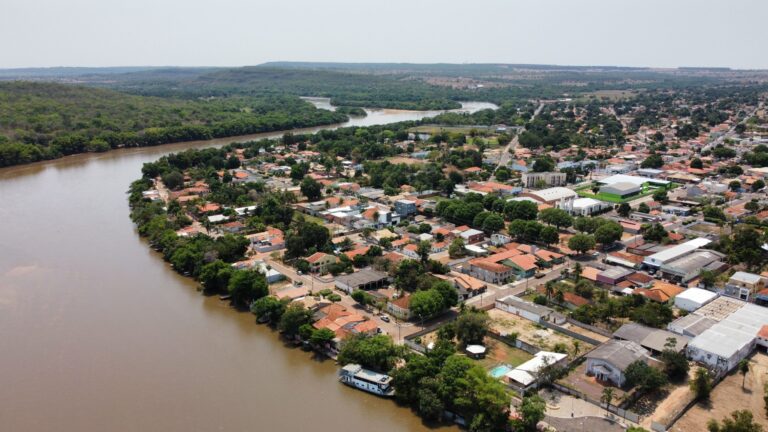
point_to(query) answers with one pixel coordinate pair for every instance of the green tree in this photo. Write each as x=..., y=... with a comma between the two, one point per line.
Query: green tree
x=557, y=217
x=549, y=235
x=426, y=304
x=655, y=232
x=311, y=189
x=607, y=397
x=471, y=327
x=246, y=286
x=268, y=309
x=740, y=421
x=608, y=233
x=532, y=411
x=660, y=195
x=743, y=370
x=643, y=208
x=322, y=337
x=376, y=352
x=362, y=297
x=294, y=316
x=173, y=180
x=645, y=378
x=456, y=249
x=652, y=161
x=701, y=385
x=215, y=276
x=696, y=163
x=493, y=223
x=675, y=363
x=757, y=185
x=581, y=243
x=624, y=210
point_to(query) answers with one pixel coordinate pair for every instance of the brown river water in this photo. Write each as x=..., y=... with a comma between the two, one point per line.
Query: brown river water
x=97, y=333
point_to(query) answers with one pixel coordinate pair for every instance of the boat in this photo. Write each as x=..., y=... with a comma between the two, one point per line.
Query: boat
x=356, y=376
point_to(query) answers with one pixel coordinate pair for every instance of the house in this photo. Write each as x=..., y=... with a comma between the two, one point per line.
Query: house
x=489, y=271
x=320, y=261
x=411, y=251
x=468, y=287
x=524, y=265
x=609, y=361
x=472, y=236
x=744, y=286
x=660, y=291
x=400, y=307
x=365, y=279
x=530, y=311
x=526, y=376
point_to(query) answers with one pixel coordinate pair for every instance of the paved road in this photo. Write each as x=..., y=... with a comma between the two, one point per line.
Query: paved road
x=506, y=155
x=516, y=288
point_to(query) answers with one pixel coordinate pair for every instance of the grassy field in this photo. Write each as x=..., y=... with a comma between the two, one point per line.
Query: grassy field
x=501, y=353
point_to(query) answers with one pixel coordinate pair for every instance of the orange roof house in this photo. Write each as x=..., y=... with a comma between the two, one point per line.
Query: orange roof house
x=660, y=292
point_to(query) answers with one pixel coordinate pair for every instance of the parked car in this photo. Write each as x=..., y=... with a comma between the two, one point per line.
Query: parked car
x=384, y=318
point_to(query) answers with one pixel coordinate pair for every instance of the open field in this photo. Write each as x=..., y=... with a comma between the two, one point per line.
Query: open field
x=612, y=95
x=728, y=396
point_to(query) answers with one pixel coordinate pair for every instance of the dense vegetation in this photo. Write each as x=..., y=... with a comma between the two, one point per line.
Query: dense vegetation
x=40, y=121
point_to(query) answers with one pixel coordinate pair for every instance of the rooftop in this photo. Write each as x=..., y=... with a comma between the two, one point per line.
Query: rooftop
x=619, y=353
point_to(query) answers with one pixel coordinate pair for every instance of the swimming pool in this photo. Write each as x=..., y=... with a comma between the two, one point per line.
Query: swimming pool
x=499, y=371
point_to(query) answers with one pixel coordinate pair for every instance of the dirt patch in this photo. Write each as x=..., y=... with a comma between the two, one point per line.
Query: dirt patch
x=728, y=396
x=501, y=353
x=534, y=334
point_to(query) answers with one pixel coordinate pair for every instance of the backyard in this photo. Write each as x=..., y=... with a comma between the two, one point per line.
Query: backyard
x=527, y=331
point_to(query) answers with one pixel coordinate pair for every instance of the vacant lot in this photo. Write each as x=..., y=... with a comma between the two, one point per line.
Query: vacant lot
x=501, y=353
x=529, y=332
x=728, y=396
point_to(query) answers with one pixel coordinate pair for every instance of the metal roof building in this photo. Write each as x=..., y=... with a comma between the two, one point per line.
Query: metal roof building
x=670, y=254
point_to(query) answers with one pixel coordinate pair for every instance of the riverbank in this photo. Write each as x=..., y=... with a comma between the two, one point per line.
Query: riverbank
x=106, y=336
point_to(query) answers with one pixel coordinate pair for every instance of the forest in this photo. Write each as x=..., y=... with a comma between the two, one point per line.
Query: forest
x=40, y=121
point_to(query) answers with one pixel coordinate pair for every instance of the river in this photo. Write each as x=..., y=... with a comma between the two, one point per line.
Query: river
x=97, y=333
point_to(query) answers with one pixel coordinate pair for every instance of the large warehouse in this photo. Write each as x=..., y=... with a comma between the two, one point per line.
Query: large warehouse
x=723, y=345
x=675, y=252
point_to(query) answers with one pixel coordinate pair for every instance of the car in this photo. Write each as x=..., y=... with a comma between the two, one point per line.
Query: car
x=538, y=275
x=384, y=318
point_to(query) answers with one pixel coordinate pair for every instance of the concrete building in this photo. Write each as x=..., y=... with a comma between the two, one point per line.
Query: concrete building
x=588, y=206
x=694, y=298
x=732, y=338
x=620, y=191
x=319, y=262
x=559, y=197
x=405, y=207
x=530, y=311
x=609, y=361
x=656, y=260
x=549, y=179
x=690, y=266
x=653, y=339
x=744, y=286
x=365, y=279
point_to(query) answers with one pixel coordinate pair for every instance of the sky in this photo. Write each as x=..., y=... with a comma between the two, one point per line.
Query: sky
x=654, y=33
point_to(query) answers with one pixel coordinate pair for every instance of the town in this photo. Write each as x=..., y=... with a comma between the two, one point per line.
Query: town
x=574, y=262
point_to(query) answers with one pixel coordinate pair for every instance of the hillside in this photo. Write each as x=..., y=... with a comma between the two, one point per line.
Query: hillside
x=47, y=120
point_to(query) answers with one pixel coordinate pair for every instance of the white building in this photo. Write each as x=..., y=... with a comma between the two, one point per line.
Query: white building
x=530, y=179
x=609, y=361
x=727, y=342
x=670, y=254
x=526, y=375
x=559, y=197
x=588, y=206
x=694, y=298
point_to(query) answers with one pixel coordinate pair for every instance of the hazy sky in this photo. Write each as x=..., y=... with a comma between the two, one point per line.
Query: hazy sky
x=662, y=33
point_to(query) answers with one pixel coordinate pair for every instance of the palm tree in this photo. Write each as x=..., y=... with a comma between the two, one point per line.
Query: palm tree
x=743, y=369
x=607, y=397
x=577, y=271
x=576, y=348
x=549, y=288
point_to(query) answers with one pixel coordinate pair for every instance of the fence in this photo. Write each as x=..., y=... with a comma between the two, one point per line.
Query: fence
x=570, y=333
x=597, y=330
x=515, y=342
x=625, y=414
